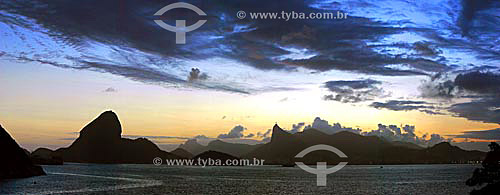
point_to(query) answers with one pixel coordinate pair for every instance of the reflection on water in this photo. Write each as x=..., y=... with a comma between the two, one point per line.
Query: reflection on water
x=141, y=179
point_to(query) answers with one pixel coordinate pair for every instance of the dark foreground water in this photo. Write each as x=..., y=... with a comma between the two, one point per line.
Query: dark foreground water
x=150, y=179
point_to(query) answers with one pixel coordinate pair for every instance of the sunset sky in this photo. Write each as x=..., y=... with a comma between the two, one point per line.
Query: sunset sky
x=429, y=64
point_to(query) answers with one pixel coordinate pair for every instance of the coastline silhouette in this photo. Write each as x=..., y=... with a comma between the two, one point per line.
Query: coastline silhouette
x=100, y=141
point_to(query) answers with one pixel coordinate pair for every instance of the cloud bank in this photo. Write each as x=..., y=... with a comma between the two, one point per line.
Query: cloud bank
x=120, y=37
x=353, y=91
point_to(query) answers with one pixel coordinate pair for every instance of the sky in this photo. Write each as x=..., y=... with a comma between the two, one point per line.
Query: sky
x=422, y=72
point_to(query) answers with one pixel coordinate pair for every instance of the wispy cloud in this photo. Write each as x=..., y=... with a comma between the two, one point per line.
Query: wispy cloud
x=402, y=105
x=110, y=90
x=493, y=134
x=354, y=91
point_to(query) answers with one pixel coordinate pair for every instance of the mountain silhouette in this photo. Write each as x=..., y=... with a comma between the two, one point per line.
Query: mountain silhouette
x=15, y=162
x=214, y=155
x=234, y=149
x=406, y=144
x=101, y=142
x=359, y=149
x=193, y=147
x=45, y=156
x=445, y=152
x=182, y=153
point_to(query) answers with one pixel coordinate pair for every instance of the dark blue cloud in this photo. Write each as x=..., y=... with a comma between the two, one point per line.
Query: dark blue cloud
x=353, y=91
x=355, y=84
x=339, y=44
x=407, y=105
x=493, y=134
x=486, y=110
x=479, y=82
x=398, y=105
x=482, y=87
x=120, y=37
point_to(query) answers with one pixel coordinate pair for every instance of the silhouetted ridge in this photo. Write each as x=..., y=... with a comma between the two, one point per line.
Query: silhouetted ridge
x=100, y=142
x=278, y=133
x=407, y=145
x=444, y=146
x=348, y=134
x=312, y=131
x=182, y=153
x=45, y=156
x=193, y=147
x=214, y=155
x=359, y=149
x=234, y=149
x=216, y=142
x=15, y=162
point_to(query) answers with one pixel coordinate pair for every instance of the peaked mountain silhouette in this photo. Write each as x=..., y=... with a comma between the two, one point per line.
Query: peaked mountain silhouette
x=101, y=142
x=15, y=162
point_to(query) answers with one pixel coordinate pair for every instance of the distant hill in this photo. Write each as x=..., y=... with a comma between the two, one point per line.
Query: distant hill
x=406, y=144
x=444, y=152
x=182, y=153
x=214, y=155
x=15, y=162
x=359, y=149
x=193, y=147
x=101, y=142
x=234, y=149
x=44, y=156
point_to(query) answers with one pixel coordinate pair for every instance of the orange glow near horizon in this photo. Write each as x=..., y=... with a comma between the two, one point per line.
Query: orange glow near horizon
x=37, y=115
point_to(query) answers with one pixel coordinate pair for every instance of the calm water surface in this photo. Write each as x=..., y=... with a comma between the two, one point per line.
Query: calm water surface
x=142, y=179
